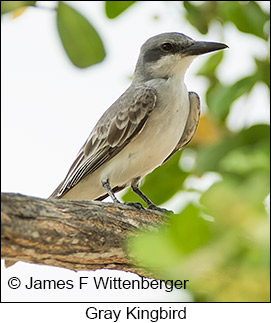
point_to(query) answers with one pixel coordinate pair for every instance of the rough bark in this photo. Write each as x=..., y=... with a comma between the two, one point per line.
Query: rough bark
x=77, y=235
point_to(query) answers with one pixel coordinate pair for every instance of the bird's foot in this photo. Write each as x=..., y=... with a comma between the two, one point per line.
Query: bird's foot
x=136, y=205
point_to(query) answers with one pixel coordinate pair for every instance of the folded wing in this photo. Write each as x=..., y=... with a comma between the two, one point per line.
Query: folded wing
x=120, y=124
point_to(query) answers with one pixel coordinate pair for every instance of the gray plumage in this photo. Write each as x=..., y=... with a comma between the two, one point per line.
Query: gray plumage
x=152, y=119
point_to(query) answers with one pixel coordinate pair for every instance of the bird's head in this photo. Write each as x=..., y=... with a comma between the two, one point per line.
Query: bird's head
x=169, y=55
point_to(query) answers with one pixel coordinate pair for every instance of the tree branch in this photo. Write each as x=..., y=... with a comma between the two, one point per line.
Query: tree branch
x=78, y=235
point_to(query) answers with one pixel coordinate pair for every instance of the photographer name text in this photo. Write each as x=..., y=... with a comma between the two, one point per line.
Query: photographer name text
x=104, y=283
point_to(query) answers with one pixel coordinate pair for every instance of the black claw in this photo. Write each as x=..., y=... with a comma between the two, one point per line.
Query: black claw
x=135, y=205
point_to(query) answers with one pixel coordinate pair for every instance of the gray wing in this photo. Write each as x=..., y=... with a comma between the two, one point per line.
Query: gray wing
x=191, y=124
x=120, y=124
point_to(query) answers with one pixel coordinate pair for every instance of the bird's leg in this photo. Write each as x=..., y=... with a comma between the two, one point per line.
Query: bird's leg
x=144, y=198
x=151, y=205
x=107, y=187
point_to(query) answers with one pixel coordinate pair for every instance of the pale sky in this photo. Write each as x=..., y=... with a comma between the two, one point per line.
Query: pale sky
x=49, y=106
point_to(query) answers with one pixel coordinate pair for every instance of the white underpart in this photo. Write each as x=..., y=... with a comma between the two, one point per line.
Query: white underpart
x=156, y=141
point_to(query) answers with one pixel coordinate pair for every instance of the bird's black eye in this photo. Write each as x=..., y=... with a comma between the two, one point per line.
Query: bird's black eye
x=167, y=47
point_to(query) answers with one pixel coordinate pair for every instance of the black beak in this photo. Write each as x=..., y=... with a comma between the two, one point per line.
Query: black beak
x=202, y=47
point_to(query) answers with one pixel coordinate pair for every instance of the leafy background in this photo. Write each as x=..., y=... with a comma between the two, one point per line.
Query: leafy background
x=219, y=239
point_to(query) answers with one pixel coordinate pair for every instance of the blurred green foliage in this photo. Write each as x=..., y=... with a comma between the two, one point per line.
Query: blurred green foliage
x=225, y=259
x=247, y=16
x=221, y=242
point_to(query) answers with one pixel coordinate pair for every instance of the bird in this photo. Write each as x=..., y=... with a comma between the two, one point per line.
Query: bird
x=154, y=118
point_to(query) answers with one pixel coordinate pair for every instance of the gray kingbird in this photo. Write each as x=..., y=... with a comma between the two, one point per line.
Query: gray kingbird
x=155, y=117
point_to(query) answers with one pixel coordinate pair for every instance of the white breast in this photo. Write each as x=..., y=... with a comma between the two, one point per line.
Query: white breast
x=149, y=149
x=159, y=137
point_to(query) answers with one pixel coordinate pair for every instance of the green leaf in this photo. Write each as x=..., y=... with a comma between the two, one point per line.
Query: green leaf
x=236, y=203
x=220, y=98
x=162, y=183
x=263, y=71
x=224, y=260
x=172, y=242
x=7, y=6
x=200, y=15
x=247, y=16
x=183, y=224
x=115, y=8
x=245, y=160
x=254, y=140
x=209, y=67
x=81, y=42
x=153, y=250
x=193, y=14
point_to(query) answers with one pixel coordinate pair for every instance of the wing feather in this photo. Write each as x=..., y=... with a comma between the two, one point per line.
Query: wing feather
x=122, y=122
